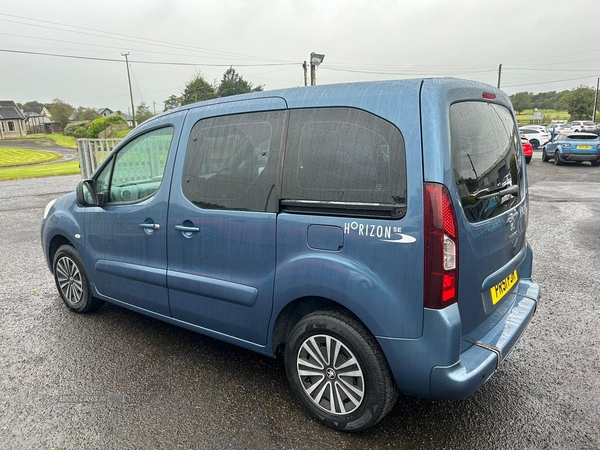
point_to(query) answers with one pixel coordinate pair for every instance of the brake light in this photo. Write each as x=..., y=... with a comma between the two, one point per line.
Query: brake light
x=489, y=96
x=441, y=248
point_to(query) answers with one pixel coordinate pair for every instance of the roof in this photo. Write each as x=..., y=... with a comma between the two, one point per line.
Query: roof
x=9, y=110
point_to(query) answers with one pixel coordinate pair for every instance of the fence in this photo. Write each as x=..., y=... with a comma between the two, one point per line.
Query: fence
x=108, y=131
x=92, y=152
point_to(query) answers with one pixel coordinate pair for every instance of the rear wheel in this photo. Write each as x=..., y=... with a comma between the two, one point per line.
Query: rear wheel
x=557, y=160
x=534, y=143
x=72, y=281
x=338, y=371
x=545, y=157
x=595, y=163
x=527, y=159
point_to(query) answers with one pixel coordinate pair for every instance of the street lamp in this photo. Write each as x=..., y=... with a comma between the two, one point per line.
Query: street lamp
x=315, y=60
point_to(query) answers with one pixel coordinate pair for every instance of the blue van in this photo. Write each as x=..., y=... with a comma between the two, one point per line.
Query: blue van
x=374, y=234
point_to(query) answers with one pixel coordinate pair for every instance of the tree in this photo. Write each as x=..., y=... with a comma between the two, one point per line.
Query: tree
x=580, y=102
x=172, y=102
x=83, y=113
x=521, y=101
x=142, y=112
x=233, y=83
x=197, y=90
x=61, y=111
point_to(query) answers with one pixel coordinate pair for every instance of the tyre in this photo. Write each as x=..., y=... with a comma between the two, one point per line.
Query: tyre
x=557, y=160
x=595, y=163
x=545, y=157
x=72, y=282
x=534, y=143
x=527, y=159
x=338, y=371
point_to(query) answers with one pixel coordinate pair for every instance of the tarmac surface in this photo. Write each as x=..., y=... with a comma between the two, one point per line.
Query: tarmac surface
x=119, y=380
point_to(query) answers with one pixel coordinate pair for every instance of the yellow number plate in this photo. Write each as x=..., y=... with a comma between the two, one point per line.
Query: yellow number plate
x=502, y=288
x=584, y=147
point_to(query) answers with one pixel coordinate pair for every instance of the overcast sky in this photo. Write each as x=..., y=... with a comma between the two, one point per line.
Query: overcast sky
x=543, y=45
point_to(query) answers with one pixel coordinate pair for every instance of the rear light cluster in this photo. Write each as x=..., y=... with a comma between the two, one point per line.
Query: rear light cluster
x=441, y=248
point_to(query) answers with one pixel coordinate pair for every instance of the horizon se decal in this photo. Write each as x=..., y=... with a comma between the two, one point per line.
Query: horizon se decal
x=378, y=231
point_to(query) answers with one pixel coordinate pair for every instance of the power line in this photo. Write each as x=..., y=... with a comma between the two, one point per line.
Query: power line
x=112, y=35
x=145, y=62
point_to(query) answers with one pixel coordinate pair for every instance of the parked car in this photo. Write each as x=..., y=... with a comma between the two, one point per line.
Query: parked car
x=556, y=127
x=573, y=147
x=536, y=138
x=577, y=126
x=527, y=149
x=334, y=225
x=540, y=128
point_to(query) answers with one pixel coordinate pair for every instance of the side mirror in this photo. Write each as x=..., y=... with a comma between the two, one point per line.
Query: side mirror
x=87, y=195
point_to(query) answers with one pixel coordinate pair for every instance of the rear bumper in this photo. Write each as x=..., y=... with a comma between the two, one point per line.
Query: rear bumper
x=580, y=157
x=442, y=364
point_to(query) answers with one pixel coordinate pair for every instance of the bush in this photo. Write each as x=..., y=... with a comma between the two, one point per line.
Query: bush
x=101, y=123
x=80, y=132
x=71, y=127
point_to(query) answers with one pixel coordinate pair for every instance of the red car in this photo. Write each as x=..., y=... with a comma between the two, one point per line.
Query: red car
x=527, y=149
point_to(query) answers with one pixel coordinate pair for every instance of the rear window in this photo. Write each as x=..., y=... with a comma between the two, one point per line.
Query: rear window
x=486, y=159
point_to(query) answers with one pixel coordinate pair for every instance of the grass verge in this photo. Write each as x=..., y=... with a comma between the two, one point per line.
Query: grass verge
x=59, y=139
x=46, y=170
x=18, y=156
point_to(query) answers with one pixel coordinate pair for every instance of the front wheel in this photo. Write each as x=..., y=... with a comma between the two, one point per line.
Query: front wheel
x=72, y=281
x=338, y=371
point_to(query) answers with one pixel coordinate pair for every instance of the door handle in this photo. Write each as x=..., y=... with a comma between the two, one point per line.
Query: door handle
x=185, y=229
x=150, y=226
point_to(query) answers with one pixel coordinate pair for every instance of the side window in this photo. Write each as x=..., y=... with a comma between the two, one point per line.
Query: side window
x=232, y=162
x=344, y=161
x=137, y=170
x=485, y=158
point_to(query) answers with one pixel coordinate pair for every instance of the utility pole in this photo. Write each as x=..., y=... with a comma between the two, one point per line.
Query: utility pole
x=305, y=67
x=596, y=100
x=154, y=105
x=499, y=75
x=130, y=91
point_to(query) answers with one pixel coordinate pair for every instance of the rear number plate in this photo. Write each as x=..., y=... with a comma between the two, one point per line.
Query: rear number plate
x=584, y=147
x=502, y=288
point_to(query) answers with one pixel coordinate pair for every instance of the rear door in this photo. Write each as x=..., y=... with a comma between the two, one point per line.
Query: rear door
x=222, y=218
x=488, y=180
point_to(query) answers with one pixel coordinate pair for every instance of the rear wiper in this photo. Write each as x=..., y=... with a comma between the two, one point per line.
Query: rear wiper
x=510, y=190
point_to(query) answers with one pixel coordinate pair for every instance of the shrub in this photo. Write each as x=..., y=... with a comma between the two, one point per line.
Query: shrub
x=101, y=123
x=80, y=132
x=71, y=127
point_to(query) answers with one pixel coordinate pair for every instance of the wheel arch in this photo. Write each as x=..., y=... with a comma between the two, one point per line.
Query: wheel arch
x=55, y=243
x=295, y=310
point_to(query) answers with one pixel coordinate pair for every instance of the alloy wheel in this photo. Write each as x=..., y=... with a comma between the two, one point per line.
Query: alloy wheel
x=330, y=375
x=69, y=280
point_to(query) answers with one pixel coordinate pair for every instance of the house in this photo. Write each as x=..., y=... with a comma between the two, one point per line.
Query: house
x=36, y=111
x=41, y=124
x=127, y=118
x=105, y=112
x=12, y=120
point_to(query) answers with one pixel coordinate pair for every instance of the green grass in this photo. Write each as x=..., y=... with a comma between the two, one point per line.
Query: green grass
x=549, y=115
x=18, y=157
x=119, y=134
x=59, y=139
x=46, y=170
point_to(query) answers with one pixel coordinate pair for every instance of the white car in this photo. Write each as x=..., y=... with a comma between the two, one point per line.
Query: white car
x=533, y=127
x=535, y=137
x=579, y=125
